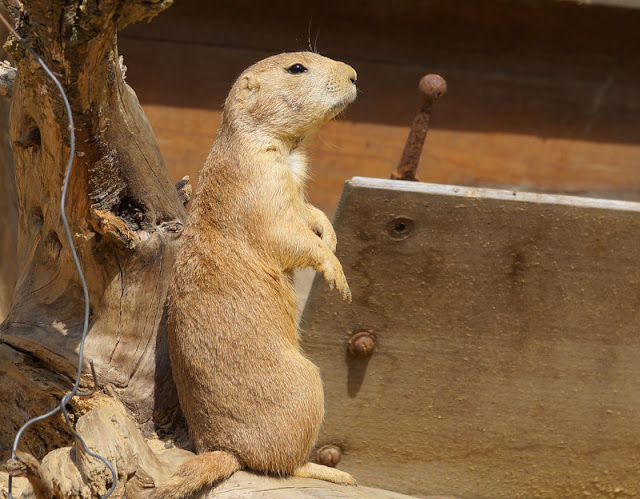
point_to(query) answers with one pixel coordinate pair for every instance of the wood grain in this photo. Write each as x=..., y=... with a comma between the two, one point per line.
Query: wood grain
x=243, y=485
x=8, y=205
x=344, y=149
x=507, y=348
x=530, y=104
x=511, y=65
x=124, y=214
x=9, y=213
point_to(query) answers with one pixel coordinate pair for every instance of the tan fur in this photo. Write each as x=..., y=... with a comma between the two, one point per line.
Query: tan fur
x=244, y=385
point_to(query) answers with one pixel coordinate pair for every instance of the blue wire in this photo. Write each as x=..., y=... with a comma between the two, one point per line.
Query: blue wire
x=85, y=290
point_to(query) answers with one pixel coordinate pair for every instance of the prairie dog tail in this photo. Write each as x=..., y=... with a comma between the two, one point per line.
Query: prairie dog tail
x=195, y=473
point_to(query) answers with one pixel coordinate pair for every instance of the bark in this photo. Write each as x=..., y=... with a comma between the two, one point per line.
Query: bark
x=69, y=472
x=8, y=200
x=125, y=214
x=8, y=214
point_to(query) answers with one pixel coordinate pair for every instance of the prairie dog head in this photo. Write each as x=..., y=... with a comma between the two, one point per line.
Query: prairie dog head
x=289, y=96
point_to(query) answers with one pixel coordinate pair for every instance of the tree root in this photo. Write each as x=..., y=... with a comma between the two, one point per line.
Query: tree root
x=68, y=472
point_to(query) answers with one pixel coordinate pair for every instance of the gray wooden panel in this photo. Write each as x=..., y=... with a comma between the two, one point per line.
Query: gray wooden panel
x=626, y=4
x=508, y=355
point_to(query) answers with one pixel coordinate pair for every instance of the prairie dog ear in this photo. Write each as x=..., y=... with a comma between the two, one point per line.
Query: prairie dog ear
x=249, y=82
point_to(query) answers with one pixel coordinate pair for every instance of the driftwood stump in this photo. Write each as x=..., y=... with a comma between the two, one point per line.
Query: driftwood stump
x=124, y=212
x=8, y=203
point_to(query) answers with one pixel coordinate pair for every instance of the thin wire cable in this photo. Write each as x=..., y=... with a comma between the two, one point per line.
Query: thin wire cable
x=65, y=186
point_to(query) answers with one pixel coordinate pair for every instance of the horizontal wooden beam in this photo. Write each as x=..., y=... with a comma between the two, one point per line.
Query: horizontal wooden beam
x=506, y=352
x=626, y=4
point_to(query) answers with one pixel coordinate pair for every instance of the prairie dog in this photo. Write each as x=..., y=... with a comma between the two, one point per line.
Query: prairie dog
x=251, y=399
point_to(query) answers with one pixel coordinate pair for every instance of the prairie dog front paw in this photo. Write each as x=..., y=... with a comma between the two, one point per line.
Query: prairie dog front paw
x=321, y=226
x=333, y=274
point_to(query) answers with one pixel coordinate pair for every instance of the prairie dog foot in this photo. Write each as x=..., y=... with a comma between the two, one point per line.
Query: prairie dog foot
x=319, y=472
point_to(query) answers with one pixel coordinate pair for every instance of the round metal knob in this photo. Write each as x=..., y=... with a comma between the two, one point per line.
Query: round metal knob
x=328, y=455
x=362, y=344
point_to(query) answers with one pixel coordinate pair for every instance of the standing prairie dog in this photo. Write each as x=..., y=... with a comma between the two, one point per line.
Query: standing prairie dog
x=251, y=398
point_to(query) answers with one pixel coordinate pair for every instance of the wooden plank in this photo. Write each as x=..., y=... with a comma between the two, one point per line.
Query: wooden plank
x=490, y=129
x=546, y=100
x=243, y=485
x=522, y=34
x=530, y=103
x=508, y=351
x=345, y=149
x=625, y=4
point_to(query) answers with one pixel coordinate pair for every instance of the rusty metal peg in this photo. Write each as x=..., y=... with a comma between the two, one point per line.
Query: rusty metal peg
x=432, y=87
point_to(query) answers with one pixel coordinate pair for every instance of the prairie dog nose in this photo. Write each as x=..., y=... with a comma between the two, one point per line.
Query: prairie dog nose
x=350, y=72
x=353, y=75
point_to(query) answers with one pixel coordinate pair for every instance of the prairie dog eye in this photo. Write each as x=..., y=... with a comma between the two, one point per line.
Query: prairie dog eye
x=297, y=68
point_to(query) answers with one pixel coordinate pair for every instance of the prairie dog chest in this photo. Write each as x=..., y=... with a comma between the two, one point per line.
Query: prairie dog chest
x=297, y=163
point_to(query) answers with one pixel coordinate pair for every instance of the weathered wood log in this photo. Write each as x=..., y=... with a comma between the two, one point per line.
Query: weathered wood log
x=124, y=212
x=7, y=77
x=8, y=201
x=244, y=485
x=107, y=428
x=8, y=213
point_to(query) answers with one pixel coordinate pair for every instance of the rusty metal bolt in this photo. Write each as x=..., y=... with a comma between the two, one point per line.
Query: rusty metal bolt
x=431, y=87
x=329, y=455
x=362, y=344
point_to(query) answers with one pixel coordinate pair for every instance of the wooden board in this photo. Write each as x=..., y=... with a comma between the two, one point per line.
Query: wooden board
x=626, y=4
x=243, y=485
x=344, y=149
x=530, y=103
x=508, y=347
